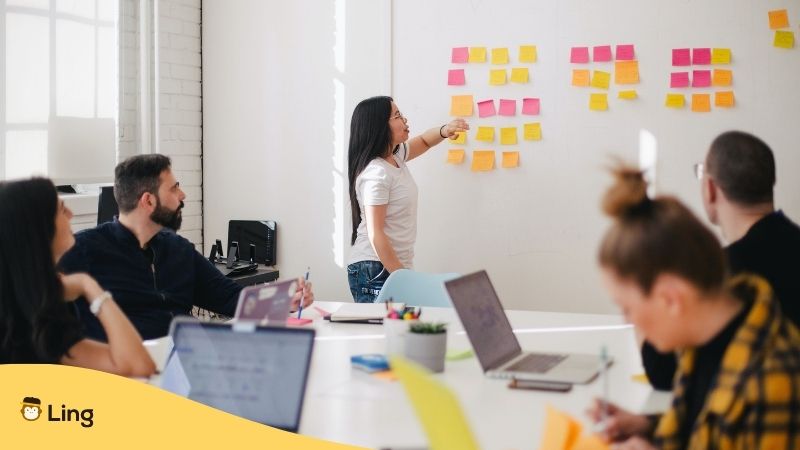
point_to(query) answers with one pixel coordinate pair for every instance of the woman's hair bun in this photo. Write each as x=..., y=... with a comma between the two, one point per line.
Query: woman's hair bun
x=628, y=193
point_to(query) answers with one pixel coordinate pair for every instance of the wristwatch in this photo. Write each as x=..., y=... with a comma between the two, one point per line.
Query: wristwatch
x=94, y=305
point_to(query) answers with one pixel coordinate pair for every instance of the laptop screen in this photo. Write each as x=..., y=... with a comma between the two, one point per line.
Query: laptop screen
x=258, y=373
x=484, y=320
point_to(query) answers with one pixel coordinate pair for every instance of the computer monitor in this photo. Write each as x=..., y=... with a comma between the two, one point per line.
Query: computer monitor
x=261, y=233
x=107, y=207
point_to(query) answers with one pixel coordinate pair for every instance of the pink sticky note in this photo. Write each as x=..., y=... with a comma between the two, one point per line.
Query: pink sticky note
x=701, y=78
x=508, y=107
x=679, y=79
x=455, y=77
x=701, y=56
x=681, y=57
x=460, y=54
x=579, y=55
x=625, y=52
x=486, y=108
x=294, y=321
x=601, y=53
x=530, y=106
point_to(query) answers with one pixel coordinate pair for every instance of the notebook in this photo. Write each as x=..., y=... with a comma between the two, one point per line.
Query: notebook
x=360, y=313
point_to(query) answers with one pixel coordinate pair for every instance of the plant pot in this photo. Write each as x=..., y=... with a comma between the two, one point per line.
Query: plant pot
x=427, y=350
x=396, y=331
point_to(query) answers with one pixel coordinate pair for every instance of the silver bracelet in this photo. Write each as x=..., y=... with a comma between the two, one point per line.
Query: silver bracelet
x=94, y=305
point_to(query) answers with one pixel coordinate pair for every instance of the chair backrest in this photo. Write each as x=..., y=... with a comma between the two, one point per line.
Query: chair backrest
x=416, y=288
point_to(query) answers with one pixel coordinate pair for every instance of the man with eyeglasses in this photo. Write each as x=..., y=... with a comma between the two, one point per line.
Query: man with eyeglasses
x=737, y=179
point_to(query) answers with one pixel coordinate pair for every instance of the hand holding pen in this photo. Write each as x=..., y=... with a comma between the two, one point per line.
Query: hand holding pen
x=303, y=293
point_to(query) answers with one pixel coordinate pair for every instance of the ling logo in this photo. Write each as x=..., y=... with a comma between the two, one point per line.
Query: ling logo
x=32, y=410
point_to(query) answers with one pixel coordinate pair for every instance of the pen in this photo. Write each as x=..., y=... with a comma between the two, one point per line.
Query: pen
x=303, y=295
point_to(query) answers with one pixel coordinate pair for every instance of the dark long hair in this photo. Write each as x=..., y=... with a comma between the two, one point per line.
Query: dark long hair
x=370, y=136
x=33, y=313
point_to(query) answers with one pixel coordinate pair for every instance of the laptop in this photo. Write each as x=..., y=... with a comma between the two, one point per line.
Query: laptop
x=495, y=344
x=258, y=373
x=268, y=303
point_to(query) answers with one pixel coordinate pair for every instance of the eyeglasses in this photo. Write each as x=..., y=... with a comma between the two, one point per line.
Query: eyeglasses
x=699, y=170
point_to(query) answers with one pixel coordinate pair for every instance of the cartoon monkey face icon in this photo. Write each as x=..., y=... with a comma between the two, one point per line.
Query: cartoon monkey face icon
x=31, y=408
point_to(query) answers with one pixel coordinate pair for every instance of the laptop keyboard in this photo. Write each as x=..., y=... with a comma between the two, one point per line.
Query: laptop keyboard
x=536, y=363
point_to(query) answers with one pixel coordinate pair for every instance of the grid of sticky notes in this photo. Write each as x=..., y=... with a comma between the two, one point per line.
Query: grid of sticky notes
x=622, y=64
x=779, y=21
x=699, y=73
x=506, y=69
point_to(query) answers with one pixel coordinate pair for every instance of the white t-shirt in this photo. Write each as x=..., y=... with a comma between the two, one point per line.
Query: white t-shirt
x=381, y=183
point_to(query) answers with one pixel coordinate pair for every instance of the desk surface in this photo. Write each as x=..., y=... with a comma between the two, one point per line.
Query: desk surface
x=349, y=406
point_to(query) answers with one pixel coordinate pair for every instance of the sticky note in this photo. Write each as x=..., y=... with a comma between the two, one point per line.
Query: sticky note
x=527, y=53
x=460, y=55
x=508, y=136
x=641, y=378
x=625, y=52
x=579, y=55
x=497, y=77
x=598, y=102
x=626, y=72
x=482, y=161
x=486, y=108
x=600, y=79
x=532, y=131
x=455, y=77
x=783, y=39
x=721, y=56
x=461, y=138
x=580, y=77
x=778, y=18
x=461, y=105
x=519, y=75
x=701, y=78
x=477, y=54
x=560, y=431
x=485, y=134
x=701, y=56
x=499, y=56
x=681, y=57
x=530, y=106
x=510, y=160
x=722, y=77
x=701, y=102
x=679, y=79
x=601, y=53
x=508, y=107
x=590, y=442
x=724, y=99
x=675, y=101
x=627, y=95
x=455, y=156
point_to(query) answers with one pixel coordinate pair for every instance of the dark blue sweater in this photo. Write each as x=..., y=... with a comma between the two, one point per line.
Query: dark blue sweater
x=149, y=294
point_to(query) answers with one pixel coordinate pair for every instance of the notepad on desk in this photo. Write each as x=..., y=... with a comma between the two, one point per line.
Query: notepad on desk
x=360, y=313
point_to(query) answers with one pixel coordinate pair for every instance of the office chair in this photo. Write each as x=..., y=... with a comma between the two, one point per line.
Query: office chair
x=416, y=288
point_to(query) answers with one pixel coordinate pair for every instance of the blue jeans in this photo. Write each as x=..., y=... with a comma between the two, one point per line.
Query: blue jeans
x=366, y=280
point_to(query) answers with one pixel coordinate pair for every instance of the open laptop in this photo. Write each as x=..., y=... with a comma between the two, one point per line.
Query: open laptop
x=258, y=373
x=266, y=303
x=495, y=344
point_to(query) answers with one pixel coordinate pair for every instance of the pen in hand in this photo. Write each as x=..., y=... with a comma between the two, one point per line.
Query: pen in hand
x=303, y=295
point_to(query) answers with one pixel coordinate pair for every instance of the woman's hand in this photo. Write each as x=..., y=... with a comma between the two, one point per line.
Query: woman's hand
x=78, y=285
x=619, y=423
x=455, y=126
x=304, y=293
x=634, y=443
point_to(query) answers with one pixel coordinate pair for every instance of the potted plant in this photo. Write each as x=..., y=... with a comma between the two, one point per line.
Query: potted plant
x=426, y=344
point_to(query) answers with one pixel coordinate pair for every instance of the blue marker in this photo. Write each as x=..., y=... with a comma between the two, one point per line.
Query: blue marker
x=303, y=295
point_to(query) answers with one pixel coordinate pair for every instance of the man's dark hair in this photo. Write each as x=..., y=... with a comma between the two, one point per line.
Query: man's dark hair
x=137, y=175
x=743, y=166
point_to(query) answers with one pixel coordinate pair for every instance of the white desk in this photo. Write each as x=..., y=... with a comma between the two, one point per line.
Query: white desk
x=349, y=406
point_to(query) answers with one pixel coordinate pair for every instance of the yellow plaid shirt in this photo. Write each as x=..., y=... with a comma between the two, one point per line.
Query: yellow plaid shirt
x=755, y=401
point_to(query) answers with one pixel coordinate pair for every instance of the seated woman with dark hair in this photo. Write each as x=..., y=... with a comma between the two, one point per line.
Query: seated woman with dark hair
x=38, y=322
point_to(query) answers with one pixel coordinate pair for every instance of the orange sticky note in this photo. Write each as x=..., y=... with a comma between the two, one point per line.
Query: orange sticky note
x=455, y=156
x=532, y=131
x=600, y=79
x=519, y=75
x=527, y=53
x=627, y=95
x=598, y=102
x=778, y=19
x=510, y=160
x=590, y=442
x=722, y=77
x=580, y=77
x=724, y=99
x=784, y=39
x=626, y=72
x=560, y=431
x=482, y=160
x=508, y=136
x=701, y=102
x=499, y=56
x=477, y=54
x=461, y=138
x=675, y=101
x=461, y=105
x=485, y=134
x=497, y=77
x=721, y=56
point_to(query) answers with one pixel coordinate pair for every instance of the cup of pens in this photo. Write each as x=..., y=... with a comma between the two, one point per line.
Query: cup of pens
x=396, y=325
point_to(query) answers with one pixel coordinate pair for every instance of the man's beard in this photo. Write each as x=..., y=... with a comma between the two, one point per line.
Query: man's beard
x=167, y=217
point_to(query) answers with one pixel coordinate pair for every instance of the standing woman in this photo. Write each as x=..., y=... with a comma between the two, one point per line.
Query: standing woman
x=38, y=322
x=383, y=195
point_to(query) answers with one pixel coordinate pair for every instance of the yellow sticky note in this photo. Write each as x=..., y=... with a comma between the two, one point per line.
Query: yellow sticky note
x=626, y=72
x=722, y=77
x=783, y=39
x=482, y=161
x=527, y=53
x=778, y=19
x=485, y=134
x=598, y=102
x=580, y=77
x=455, y=156
x=721, y=56
x=600, y=79
x=627, y=95
x=437, y=408
x=461, y=138
x=641, y=378
x=510, y=160
x=532, y=131
x=701, y=102
x=724, y=99
x=461, y=105
x=560, y=431
x=508, y=136
x=499, y=56
x=477, y=54
x=590, y=442
x=497, y=77
x=675, y=101
x=519, y=75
